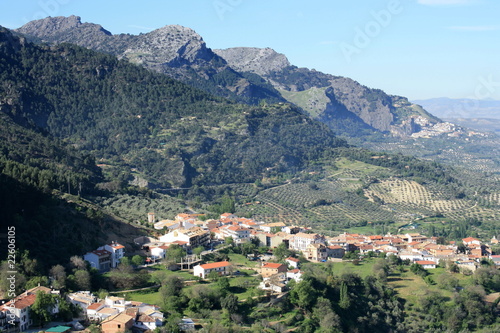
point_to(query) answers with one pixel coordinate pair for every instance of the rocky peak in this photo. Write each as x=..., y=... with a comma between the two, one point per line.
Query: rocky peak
x=172, y=44
x=53, y=26
x=255, y=60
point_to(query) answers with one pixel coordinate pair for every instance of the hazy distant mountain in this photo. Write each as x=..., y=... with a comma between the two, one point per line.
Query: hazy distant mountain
x=461, y=108
x=249, y=75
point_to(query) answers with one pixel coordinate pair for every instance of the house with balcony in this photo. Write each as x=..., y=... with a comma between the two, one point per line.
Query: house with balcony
x=99, y=259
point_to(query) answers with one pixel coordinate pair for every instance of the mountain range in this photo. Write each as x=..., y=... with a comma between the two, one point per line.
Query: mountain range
x=248, y=75
x=164, y=111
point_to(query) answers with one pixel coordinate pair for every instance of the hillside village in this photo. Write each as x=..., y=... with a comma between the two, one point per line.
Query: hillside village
x=115, y=314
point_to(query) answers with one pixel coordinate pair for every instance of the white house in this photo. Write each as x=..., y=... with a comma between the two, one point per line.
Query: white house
x=159, y=251
x=82, y=298
x=105, y=313
x=18, y=308
x=471, y=241
x=117, y=252
x=92, y=310
x=223, y=268
x=272, y=227
x=293, y=262
x=295, y=274
x=99, y=259
x=116, y=302
x=237, y=233
x=194, y=237
x=301, y=241
x=427, y=264
x=410, y=255
x=277, y=286
x=147, y=322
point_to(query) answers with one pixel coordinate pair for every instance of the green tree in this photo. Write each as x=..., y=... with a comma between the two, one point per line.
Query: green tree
x=42, y=308
x=303, y=295
x=281, y=252
x=223, y=284
x=198, y=250
x=213, y=276
x=229, y=241
x=137, y=260
x=230, y=303
x=171, y=286
x=174, y=253
x=82, y=280
x=345, y=299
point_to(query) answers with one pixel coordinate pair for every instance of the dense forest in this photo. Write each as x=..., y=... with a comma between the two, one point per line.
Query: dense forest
x=127, y=115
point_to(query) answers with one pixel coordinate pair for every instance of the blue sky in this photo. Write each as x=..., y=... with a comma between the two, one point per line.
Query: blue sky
x=414, y=48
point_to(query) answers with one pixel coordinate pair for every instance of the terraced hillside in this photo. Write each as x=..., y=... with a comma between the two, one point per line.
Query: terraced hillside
x=356, y=194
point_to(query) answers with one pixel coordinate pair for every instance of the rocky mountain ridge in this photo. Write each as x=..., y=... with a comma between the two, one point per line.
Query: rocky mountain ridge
x=245, y=74
x=173, y=50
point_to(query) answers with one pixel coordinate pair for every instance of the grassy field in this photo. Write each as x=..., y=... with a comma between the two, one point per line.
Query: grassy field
x=149, y=297
x=240, y=261
x=363, y=268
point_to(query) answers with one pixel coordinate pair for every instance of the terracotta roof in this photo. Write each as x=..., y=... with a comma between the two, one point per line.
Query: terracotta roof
x=94, y=306
x=272, y=265
x=236, y=228
x=425, y=262
x=117, y=246
x=375, y=237
x=121, y=318
x=132, y=312
x=109, y=311
x=146, y=319
x=22, y=302
x=294, y=271
x=469, y=239
x=216, y=265
x=36, y=289
x=293, y=259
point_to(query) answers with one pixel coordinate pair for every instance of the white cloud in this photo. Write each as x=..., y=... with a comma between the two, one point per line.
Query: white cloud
x=475, y=28
x=445, y=2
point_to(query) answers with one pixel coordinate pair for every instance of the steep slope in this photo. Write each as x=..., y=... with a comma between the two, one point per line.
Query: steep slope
x=174, y=50
x=148, y=123
x=342, y=103
x=41, y=184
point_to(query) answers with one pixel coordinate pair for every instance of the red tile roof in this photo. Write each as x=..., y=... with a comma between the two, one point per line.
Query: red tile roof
x=94, y=306
x=470, y=239
x=272, y=265
x=22, y=302
x=216, y=265
x=425, y=262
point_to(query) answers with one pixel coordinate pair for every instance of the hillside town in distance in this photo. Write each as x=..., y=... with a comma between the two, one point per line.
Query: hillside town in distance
x=113, y=314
